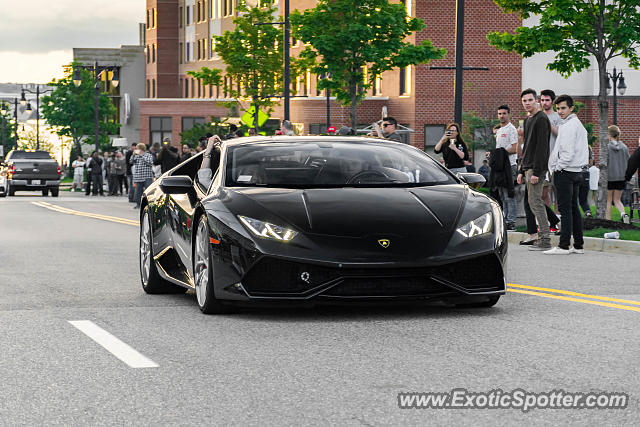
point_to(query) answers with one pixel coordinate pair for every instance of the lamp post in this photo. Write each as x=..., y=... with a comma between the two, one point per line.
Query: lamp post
x=23, y=101
x=97, y=70
x=617, y=81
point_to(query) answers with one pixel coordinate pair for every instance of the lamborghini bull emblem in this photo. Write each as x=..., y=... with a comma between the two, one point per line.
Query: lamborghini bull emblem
x=385, y=243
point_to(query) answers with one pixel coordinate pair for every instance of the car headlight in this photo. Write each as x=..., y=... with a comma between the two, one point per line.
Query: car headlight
x=267, y=230
x=480, y=225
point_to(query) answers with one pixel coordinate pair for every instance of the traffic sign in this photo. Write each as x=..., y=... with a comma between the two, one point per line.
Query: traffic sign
x=247, y=117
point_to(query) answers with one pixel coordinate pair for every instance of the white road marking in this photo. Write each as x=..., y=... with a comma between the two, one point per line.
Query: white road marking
x=113, y=345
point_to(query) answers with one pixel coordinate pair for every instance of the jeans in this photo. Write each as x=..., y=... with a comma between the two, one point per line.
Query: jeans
x=583, y=192
x=458, y=170
x=538, y=208
x=509, y=203
x=532, y=227
x=96, y=182
x=130, y=190
x=568, y=186
x=140, y=187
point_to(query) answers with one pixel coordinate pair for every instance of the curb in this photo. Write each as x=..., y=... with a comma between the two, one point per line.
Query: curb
x=626, y=247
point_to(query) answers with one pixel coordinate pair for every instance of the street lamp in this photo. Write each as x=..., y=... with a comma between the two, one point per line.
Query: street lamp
x=23, y=101
x=97, y=70
x=617, y=81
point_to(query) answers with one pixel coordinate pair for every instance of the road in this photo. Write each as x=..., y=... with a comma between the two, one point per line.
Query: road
x=326, y=366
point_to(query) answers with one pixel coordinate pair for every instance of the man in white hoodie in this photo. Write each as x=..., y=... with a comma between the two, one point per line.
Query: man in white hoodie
x=569, y=155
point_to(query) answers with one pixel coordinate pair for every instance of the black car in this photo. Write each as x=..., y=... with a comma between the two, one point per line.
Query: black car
x=310, y=219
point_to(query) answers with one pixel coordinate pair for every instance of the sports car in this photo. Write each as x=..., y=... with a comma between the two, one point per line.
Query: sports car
x=287, y=219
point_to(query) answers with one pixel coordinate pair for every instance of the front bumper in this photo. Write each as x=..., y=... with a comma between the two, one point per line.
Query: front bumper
x=281, y=279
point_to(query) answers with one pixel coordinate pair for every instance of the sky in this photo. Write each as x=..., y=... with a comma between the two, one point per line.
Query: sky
x=37, y=36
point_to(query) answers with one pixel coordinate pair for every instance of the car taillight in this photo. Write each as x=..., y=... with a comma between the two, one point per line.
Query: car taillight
x=58, y=170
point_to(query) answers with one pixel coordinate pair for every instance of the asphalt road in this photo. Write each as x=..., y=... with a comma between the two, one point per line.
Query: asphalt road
x=328, y=366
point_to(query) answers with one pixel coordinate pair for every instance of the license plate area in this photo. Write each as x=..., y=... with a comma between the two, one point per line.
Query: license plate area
x=36, y=182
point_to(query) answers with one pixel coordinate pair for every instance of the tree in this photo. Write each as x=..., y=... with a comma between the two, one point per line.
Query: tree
x=70, y=109
x=579, y=31
x=193, y=135
x=351, y=39
x=252, y=58
x=28, y=141
x=10, y=127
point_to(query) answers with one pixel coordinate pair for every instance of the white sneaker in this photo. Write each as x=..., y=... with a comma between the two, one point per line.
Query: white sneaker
x=576, y=251
x=557, y=251
x=625, y=218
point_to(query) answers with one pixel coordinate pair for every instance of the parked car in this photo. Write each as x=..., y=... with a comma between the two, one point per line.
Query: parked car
x=27, y=170
x=310, y=219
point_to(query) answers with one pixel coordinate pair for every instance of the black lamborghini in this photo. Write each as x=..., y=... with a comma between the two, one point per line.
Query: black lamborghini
x=310, y=219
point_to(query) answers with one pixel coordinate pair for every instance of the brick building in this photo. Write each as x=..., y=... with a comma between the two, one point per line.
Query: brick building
x=178, y=40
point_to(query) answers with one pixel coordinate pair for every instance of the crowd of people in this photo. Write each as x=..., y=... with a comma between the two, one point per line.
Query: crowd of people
x=547, y=156
x=130, y=172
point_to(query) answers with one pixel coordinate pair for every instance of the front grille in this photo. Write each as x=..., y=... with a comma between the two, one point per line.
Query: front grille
x=274, y=276
x=390, y=286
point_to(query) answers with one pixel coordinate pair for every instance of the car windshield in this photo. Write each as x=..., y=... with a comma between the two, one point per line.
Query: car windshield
x=316, y=164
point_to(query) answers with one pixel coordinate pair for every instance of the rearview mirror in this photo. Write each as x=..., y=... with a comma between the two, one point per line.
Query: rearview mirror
x=179, y=184
x=475, y=180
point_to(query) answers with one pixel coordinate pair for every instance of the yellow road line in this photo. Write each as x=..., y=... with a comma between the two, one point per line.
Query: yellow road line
x=87, y=214
x=584, y=301
x=575, y=294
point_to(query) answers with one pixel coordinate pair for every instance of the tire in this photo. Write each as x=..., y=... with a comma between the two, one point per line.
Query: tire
x=203, y=272
x=45, y=192
x=151, y=281
x=10, y=191
x=54, y=192
x=493, y=300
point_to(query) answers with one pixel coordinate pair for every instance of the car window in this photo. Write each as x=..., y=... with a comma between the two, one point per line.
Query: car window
x=19, y=155
x=331, y=164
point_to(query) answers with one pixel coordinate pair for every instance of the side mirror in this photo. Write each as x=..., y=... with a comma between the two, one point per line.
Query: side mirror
x=179, y=184
x=475, y=180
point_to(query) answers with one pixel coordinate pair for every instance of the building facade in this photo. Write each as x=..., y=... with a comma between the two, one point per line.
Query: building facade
x=179, y=39
x=130, y=60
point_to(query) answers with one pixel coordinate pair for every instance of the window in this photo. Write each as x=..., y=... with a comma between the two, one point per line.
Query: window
x=432, y=134
x=189, y=122
x=148, y=20
x=159, y=129
x=405, y=81
x=181, y=17
x=199, y=85
x=407, y=6
x=188, y=15
x=153, y=53
x=377, y=86
x=186, y=88
x=198, y=49
x=205, y=54
x=148, y=90
x=155, y=14
x=147, y=51
x=227, y=7
x=181, y=52
x=210, y=8
x=199, y=13
x=153, y=85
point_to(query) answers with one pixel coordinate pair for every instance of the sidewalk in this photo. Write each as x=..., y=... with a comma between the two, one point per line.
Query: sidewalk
x=627, y=247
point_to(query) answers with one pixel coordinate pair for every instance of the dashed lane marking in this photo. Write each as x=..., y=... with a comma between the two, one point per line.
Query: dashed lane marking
x=113, y=345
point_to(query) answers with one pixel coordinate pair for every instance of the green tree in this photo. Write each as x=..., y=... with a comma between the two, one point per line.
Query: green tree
x=579, y=31
x=28, y=141
x=9, y=129
x=348, y=38
x=193, y=135
x=252, y=59
x=71, y=109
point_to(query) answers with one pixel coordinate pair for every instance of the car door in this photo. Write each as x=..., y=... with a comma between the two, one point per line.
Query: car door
x=181, y=208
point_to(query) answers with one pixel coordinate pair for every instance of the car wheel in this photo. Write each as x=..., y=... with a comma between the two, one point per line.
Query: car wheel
x=490, y=302
x=10, y=190
x=203, y=272
x=45, y=192
x=54, y=192
x=152, y=283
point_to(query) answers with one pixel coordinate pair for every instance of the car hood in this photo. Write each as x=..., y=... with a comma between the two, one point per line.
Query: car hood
x=356, y=212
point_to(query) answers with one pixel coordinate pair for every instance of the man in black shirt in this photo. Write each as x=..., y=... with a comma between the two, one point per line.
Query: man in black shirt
x=535, y=163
